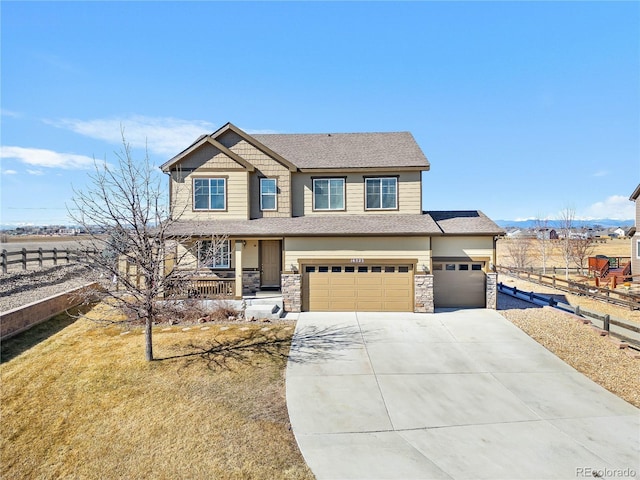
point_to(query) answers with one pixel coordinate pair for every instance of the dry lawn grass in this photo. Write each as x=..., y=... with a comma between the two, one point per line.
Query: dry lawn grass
x=615, y=247
x=43, y=238
x=84, y=404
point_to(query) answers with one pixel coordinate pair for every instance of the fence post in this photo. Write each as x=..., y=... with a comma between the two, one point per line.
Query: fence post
x=55, y=255
x=24, y=258
x=40, y=257
x=578, y=310
x=607, y=318
x=66, y=252
x=4, y=261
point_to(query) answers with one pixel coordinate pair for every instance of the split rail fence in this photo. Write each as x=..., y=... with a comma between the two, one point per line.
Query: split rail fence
x=623, y=329
x=627, y=299
x=57, y=256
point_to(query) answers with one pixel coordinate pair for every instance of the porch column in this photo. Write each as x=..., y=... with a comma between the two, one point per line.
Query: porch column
x=238, y=267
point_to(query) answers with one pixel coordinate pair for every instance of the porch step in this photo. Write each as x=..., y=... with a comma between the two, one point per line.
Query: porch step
x=263, y=311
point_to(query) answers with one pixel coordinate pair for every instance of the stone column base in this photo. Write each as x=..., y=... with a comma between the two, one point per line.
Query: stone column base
x=250, y=282
x=492, y=290
x=423, y=291
x=292, y=292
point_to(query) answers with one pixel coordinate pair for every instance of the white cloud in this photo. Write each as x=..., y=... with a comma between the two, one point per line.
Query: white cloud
x=9, y=113
x=161, y=135
x=616, y=207
x=35, y=172
x=601, y=173
x=46, y=158
x=9, y=172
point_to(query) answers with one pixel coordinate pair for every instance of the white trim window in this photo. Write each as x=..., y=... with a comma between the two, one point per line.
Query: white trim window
x=218, y=256
x=268, y=194
x=209, y=193
x=381, y=193
x=637, y=249
x=328, y=194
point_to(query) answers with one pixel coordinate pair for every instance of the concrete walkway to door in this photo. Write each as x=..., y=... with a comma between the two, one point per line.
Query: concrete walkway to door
x=458, y=394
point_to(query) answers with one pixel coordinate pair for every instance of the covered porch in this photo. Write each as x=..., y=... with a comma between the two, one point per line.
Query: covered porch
x=236, y=268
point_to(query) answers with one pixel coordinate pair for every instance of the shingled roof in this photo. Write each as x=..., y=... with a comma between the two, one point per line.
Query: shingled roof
x=464, y=222
x=347, y=150
x=315, y=151
x=429, y=223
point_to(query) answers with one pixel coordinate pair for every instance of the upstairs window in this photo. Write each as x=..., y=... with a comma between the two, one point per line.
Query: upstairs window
x=209, y=194
x=328, y=194
x=214, y=254
x=381, y=193
x=268, y=194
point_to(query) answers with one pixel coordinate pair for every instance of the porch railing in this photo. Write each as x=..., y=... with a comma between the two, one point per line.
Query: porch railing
x=203, y=287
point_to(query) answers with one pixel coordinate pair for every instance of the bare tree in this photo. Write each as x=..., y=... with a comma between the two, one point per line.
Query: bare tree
x=581, y=250
x=567, y=220
x=127, y=216
x=543, y=243
x=519, y=251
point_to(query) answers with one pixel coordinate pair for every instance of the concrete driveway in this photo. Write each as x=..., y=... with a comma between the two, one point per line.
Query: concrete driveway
x=457, y=394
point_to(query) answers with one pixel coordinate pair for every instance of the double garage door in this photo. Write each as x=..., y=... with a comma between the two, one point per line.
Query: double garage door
x=349, y=288
x=459, y=285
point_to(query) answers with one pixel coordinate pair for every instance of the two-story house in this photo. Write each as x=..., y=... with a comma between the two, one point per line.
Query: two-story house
x=334, y=221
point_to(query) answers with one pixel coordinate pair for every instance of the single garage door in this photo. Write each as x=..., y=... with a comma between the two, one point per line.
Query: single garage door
x=459, y=284
x=351, y=288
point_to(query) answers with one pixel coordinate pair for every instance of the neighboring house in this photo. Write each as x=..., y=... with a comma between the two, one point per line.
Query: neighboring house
x=334, y=221
x=635, y=240
x=618, y=232
x=546, y=234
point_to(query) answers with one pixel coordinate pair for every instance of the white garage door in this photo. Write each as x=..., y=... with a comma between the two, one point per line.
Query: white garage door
x=351, y=288
x=459, y=284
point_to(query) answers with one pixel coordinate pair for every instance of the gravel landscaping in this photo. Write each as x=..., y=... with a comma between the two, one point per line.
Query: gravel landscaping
x=23, y=287
x=578, y=345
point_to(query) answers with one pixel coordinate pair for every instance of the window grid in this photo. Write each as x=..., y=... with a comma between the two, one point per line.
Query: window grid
x=220, y=258
x=268, y=194
x=209, y=194
x=328, y=194
x=381, y=193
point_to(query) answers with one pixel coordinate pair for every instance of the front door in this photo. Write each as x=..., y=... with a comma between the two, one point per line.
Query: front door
x=270, y=264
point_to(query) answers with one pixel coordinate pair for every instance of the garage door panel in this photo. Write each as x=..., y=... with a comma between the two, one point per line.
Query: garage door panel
x=370, y=280
x=342, y=306
x=338, y=279
x=459, y=288
x=386, y=290
x=319, y=280
x=397, y=280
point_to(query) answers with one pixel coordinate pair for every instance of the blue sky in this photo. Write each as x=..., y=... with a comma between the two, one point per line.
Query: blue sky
x=523, y=108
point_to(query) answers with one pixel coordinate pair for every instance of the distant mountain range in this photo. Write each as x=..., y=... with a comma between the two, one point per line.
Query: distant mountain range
x=602, y=222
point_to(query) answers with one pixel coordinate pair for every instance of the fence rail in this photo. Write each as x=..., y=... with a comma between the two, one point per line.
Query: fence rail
x=38, y=256
x=618, y=327
x=630, y=300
